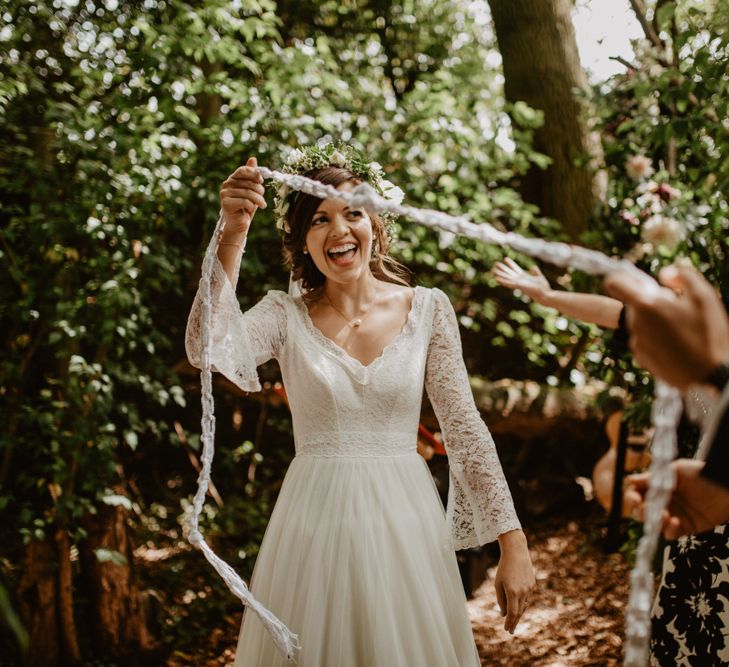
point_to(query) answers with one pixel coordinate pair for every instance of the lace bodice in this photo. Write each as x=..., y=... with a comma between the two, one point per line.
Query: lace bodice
x=342, y=408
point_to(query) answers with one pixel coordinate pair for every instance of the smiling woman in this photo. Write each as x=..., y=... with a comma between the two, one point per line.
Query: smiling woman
x=358, y=558
x=310, y=216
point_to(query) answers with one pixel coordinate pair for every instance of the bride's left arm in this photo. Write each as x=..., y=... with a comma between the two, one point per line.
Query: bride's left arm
x=480, y=508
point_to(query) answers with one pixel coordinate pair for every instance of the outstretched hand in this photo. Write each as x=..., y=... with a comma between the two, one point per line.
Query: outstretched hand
x=679, y=332
x=532, y=283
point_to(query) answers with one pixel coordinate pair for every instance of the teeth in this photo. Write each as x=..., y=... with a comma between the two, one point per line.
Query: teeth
x=345, y=247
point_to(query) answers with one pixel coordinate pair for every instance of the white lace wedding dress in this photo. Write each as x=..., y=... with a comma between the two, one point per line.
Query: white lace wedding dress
x=358, y=557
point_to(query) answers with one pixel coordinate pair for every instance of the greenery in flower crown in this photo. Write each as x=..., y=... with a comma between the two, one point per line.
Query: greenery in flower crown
x=310, y=158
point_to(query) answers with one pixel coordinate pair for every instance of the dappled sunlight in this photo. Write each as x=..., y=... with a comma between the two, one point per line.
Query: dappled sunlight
x=576, y=611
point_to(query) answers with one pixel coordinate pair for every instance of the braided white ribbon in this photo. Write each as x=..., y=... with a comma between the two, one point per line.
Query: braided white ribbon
x=666, y=410
x=285, y=640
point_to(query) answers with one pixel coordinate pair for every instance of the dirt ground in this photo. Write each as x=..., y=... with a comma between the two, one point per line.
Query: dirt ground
x=575, y=616
x=576, y=612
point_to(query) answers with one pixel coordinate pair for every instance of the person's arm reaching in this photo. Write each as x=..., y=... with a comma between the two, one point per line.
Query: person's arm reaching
x=594, y=308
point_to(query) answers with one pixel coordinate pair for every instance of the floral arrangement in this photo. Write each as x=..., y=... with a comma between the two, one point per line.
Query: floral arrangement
x=309, y=158
x=653, y=210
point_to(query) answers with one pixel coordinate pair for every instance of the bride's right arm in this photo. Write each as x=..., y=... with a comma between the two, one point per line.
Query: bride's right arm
x=241, y=195
x=239, y=341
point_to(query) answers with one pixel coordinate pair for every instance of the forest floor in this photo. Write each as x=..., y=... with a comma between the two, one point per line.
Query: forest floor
x=575, y=617
x=576, y=612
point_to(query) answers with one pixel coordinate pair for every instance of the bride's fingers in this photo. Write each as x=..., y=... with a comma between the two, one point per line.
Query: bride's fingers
x=235, y=204
x=512, y=611
x=242, y=183
x=523, y=604
x=501, y=598
x=248, y=172
x=255, y=197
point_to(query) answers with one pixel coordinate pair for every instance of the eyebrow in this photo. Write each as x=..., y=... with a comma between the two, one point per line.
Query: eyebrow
x=320, y=212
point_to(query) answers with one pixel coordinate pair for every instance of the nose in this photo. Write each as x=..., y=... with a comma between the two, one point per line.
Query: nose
x=339, y=225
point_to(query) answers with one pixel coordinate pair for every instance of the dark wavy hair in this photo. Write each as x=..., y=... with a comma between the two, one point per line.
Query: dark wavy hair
x=301, y=210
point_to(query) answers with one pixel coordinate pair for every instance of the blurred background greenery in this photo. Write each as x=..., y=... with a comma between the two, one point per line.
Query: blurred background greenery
x=118, y=121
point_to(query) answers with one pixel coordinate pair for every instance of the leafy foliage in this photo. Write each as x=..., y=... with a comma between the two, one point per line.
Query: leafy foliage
x=119, y=120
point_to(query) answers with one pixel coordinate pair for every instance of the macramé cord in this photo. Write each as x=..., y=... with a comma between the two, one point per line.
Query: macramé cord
x=666, y=409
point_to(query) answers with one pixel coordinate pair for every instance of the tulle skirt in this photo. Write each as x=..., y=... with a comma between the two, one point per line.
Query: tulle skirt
x=356, y=561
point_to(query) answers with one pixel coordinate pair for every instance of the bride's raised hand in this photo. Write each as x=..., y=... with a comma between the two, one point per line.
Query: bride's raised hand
x=532, y=283
x=241, y=195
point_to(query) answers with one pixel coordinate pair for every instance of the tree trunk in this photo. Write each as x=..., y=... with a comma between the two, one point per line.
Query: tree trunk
x=116, y=606
x=67, y=622
x=542, y=68
x=37, y=594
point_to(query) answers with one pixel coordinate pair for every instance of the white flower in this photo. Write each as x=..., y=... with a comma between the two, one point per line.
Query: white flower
x=651, y=202
x=391, y=192
x=338, y=159
x=294, y=156
x=662, y=230
x=376, y=168
x=646, y=186
x=283, y=191
x=639, y=167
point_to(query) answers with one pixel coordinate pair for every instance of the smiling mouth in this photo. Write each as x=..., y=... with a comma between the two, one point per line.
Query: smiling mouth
x=342, y=253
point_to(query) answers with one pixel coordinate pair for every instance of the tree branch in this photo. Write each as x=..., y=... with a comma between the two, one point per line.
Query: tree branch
x=625, y=62
x=639, y=9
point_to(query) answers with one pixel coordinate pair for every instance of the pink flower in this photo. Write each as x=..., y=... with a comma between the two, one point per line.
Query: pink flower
x=667, y=192
x=639, y=167
x=660, y=230
x=629, y=217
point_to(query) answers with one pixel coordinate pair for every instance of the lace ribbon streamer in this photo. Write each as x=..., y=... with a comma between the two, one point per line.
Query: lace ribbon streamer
x=285, y=640
x=666, y=409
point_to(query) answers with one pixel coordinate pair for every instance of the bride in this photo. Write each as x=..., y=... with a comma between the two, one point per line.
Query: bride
x=358, y=557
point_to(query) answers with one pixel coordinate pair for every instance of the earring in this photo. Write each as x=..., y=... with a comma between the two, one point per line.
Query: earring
x=306, y=252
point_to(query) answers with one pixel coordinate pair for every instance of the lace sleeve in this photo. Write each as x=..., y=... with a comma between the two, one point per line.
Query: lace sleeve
x=480, y=507
x=241, y=341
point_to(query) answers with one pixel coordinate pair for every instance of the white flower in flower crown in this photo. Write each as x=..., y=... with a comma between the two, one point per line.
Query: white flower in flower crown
x=391, y=192
x=660, y=230
x=376, y=168
x=337, y=159
x=639, y=167
x=282, y=208
x=294, y=156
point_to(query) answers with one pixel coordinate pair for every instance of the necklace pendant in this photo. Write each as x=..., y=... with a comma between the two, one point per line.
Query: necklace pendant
x=356, y=322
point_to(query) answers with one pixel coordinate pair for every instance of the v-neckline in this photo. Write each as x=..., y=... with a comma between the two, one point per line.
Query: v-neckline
x=341, y=353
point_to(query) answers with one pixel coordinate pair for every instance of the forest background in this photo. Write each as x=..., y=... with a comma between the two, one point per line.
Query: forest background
x=118, y=121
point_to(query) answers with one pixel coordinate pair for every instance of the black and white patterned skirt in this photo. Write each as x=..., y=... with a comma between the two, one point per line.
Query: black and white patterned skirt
x=690, y=616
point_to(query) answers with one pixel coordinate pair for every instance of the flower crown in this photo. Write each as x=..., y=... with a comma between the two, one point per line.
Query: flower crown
x=309, y=158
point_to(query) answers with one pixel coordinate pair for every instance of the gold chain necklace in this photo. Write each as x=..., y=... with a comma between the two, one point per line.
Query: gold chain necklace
x=357, y=321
